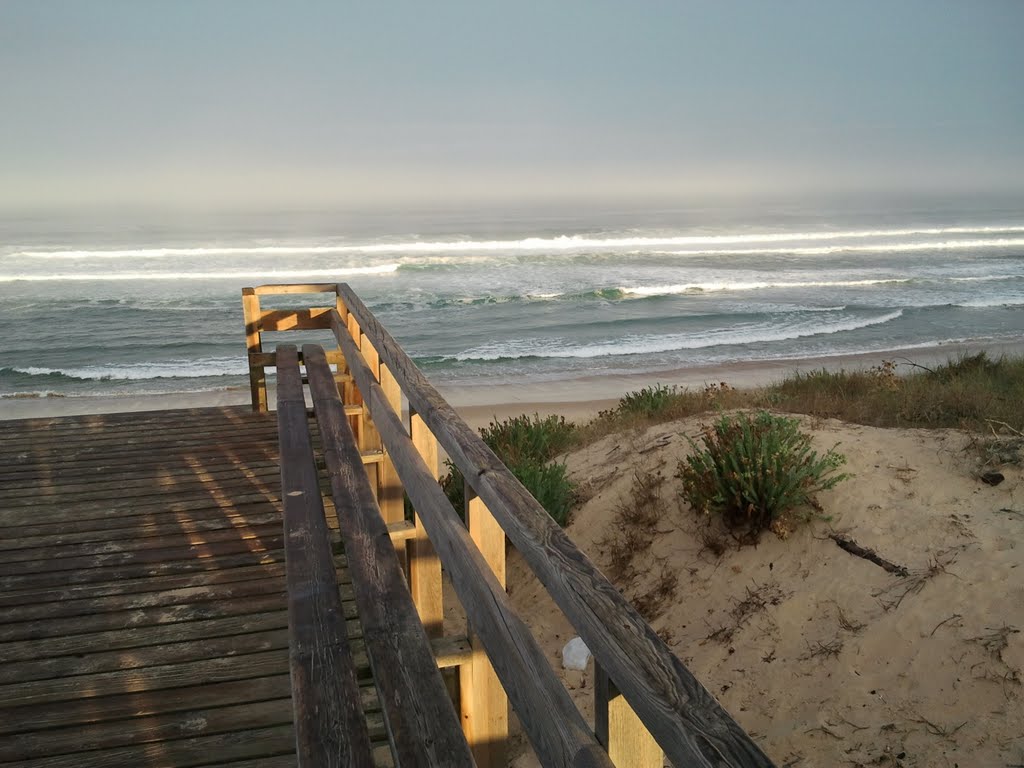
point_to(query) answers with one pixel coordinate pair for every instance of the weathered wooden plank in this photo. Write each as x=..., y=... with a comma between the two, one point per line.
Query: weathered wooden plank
x=281, y=289
x=236, y=594
x=449, y=652
x=159, y=728
x=555, y=727
x=329, y=725
x=146, y=656
x=59, y=626
x=103, y=483
x=687, y=721
x=53, y=494
x=206, y=414
x=156, y=634
x=113, y=444
x=144, y=512
x=423, y=727
x=311, y=318
x=184, y=537
x=125, y=705
x=277, y=761
x=223, y=669
x=181, y=753
x=54, y=534
x=154, y=728
x=172, y=461
x=158, y=556
x=141, y=586
x=105, y=431
x=143, y=505
x=47, y=579
x=44, y=444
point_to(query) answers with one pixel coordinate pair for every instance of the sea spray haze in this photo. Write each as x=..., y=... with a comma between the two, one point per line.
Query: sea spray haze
x=486, y=300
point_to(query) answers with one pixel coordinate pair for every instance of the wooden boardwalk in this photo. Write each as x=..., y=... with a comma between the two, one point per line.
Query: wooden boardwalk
x=143, y=619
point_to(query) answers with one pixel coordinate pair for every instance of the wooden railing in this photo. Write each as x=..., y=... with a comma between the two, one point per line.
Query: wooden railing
x=648, y=706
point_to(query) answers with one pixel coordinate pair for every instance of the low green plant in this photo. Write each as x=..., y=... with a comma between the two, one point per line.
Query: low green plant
x=756, y=471
x=527, y=446
x=649, y=401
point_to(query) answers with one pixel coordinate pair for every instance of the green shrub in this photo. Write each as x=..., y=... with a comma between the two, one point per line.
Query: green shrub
x=527, y=445
x=649, y=401
x=529, y=438
x=755, y=471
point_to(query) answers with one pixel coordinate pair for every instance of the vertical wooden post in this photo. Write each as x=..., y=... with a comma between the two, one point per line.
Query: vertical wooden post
x=254, y=345
x=619, y=730
x=352, y=396
x=391, y=495
x=483, y=700
x=343, y=387
x=424, y=564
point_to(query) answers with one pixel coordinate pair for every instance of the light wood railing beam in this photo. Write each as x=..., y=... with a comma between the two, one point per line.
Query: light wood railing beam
x=330, y=729
x=422, y=724
x=685, y=719
x=555, y=727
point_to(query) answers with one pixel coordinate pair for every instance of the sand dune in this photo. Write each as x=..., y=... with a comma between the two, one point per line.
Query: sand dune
x=825, y=657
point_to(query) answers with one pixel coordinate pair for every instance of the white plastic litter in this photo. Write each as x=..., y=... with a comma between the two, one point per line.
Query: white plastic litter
x=575, y=654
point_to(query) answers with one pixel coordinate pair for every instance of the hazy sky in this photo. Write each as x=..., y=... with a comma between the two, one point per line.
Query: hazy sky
x=231, y=104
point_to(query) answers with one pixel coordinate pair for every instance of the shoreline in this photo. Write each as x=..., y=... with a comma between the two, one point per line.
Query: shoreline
x=576, y=399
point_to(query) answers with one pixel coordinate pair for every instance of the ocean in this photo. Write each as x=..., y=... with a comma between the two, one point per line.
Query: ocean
x=153, y=306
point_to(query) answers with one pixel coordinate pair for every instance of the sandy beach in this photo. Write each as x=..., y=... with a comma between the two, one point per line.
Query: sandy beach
x=577, y=399
x=824, y=657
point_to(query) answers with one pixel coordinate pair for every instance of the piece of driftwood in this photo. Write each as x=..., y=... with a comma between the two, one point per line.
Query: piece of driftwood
x=849, y=545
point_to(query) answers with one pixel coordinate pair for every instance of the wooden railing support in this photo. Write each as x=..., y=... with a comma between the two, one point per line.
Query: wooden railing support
x=690, y=725
x=649, y=706
x=254, y=346
x=483, y=700
x=556, y=729
x=629, y=743
x=424, y=564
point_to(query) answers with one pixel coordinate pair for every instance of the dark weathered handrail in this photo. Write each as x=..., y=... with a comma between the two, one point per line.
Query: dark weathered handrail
x=421, y=721
x=553, y=723
x=330, y=728
x=684, y=718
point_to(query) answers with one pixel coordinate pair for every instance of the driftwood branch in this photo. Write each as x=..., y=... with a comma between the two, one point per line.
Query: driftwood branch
x=851, y=546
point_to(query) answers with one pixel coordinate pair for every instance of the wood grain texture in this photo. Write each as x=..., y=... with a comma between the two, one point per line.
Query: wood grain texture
x=424, y=564
x=329, y=726
x=421, y=721
x=116, y=657
x=687, y=721
x=254, y=346
x=555, y=727
x=484, y=703
x=629, y=743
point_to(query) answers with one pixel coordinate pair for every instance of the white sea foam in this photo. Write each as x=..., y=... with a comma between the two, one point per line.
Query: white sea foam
x=558, y=243
x=213, y=366
x=637, y=345
x=1017, y=301
x=239, y=274
x=944, y=245
x=668, y=290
